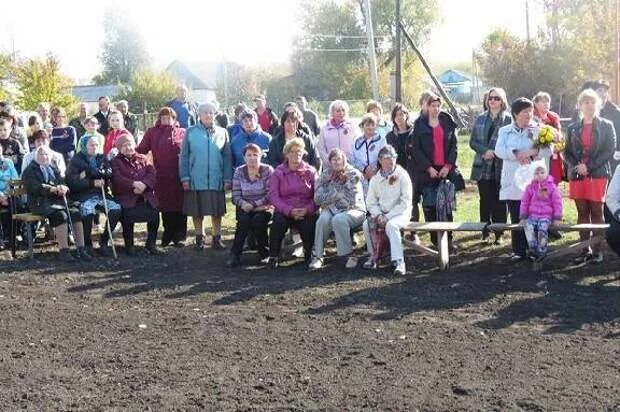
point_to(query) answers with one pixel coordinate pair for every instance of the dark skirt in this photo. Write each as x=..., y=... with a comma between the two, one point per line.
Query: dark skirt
x=204, y=203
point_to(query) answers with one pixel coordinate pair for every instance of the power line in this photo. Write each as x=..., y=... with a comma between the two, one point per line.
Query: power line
x=331, y=50
x=343, y=36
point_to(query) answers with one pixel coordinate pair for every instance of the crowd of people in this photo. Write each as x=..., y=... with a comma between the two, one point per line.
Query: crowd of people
x=290, y=174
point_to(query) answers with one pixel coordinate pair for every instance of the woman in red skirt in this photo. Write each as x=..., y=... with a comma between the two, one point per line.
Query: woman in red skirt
x=542, y=103
x=590, y=145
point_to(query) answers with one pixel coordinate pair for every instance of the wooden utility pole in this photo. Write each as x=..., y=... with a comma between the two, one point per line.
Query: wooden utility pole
x=617, y=65
x=371, y=51
x=527, y=21
x=397, y=50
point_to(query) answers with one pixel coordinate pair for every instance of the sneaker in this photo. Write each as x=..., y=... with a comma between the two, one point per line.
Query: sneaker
x=370, y=264
x=597, y=258
x=583, y=257
x=65, y=256
x=400, y=268
x=83, y=254
x=351, y=262
x=217, y=243
x=515, y=257
x=265, y=260
x=315, y=263
x=233, y=261
x=165, y=243
x=200, y=243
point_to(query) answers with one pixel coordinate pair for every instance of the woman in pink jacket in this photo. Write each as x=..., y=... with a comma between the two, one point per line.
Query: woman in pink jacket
x=339, y=132
x=541, y=206
x=291, y=192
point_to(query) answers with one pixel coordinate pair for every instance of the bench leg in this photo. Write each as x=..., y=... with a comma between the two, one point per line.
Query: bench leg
x=13, y=239
x=30, y=241
x=444, y=254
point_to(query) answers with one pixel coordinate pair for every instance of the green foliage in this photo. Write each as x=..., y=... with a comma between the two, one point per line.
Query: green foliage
x=124, y=50
x=39, y=80
x=575, y=48
x=6, y=72
x=147, y=89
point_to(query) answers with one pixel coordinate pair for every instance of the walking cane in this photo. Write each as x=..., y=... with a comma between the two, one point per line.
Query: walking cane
x=69, y=220
x=107, y=221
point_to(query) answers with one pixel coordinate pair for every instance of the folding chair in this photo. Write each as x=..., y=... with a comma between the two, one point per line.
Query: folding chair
x=16, y=192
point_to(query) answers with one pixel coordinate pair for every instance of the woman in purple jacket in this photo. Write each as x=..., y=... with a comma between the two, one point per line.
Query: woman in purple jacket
x=291, y=192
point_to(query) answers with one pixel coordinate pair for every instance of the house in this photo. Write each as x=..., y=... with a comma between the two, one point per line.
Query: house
x=91, y=93
x=200, y=79
x=461, y=87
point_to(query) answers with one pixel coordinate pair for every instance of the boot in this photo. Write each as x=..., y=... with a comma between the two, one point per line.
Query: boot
x=65, y=256
x=218, y=244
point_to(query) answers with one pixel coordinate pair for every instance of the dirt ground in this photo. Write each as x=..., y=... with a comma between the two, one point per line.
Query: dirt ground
x=180, y=332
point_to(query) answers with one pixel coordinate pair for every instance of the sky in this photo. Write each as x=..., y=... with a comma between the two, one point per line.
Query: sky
x=218, y=30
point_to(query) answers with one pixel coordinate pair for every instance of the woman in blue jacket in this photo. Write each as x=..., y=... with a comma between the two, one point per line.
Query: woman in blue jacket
x=205, y=169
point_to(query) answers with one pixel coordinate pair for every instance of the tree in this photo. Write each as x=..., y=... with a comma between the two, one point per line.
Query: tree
x=147, y=90
x=6, y=73
x=39, y=80
x=124, y=50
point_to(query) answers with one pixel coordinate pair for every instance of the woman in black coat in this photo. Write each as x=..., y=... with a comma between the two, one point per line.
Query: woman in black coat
x=290, y=130
x=435, y=153
x=88, y=172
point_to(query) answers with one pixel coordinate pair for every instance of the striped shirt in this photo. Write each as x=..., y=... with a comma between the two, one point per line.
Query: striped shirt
x=253, y=191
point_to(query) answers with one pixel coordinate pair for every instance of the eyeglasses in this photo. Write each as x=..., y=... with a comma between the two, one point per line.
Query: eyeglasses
x=496, y=98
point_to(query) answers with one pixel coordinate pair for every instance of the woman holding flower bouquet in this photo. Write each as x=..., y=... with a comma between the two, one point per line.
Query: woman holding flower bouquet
x=517, y=145
x=544, y=116
x=590, y=145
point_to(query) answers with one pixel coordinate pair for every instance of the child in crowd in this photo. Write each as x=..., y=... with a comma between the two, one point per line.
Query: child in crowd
x=7, y=173
x=34, y=125
x=91, y=125
x=541, y=206
x=11, y=148
x=64, y=137
x=117, y=129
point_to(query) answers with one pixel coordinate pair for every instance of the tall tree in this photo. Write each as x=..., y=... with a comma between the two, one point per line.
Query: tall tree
x=124, y=49
x=147, y=89
x=6, y=73
x=40, y=80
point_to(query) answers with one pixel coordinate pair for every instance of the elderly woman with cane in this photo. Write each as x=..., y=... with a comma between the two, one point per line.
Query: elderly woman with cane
x=88, y=177
x=389, y=202
x=47, y=196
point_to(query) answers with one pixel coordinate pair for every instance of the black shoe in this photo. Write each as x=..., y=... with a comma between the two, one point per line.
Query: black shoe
x=555, y=235
x=515, y=257
x=152, y=249
x=217, y=243
x=200, y=243
x=179, y=243
x=83, y=254
x=130, y=250
x=65, y=256
x=90, y=250
x=583, y=257
x=233, y=261
x=165, y=243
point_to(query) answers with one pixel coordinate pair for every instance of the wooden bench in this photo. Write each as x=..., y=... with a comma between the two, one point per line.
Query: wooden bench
x=443, y=228
x=16, y=191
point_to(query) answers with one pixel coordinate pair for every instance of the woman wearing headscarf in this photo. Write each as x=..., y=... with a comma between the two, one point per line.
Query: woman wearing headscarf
x=164, y=141
x=133, y=184
x=46, y=197
x=87, y=174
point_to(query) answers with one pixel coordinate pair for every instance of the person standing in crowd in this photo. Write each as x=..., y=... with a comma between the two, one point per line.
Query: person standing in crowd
x=364, y=156
x=116, y=129
x=11, y=148
x=221, y=118
x=339, y=132
x=291, y=191
x=164, y=141
x=15, y=132
x=389, y=202
x=7, y=173
x=46, y=197
x=309, y=116
x=435, y=154
x=102, y=114
x=130, y=120
x=78, y=122
x=205, y=169
x=250, y=133
x=613, y=205
x=290, y=130
x=41, y=138
x=340, y=196
x=91, y=124
x=266, y=117
x=401, y=139
x=590, y=146
x=43, y=110
x=88, y=172
x=516, y=146
x=185, y=109
x=611, y=112
x=543, y=115
x=250, y=189
x=34, y=125
x=64, y=138
x=237, y=127
x=383, y=127
x=487, y=167
x=133, y=185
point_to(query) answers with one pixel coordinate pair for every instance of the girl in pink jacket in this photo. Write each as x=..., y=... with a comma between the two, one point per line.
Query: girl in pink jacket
x=541, y=205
